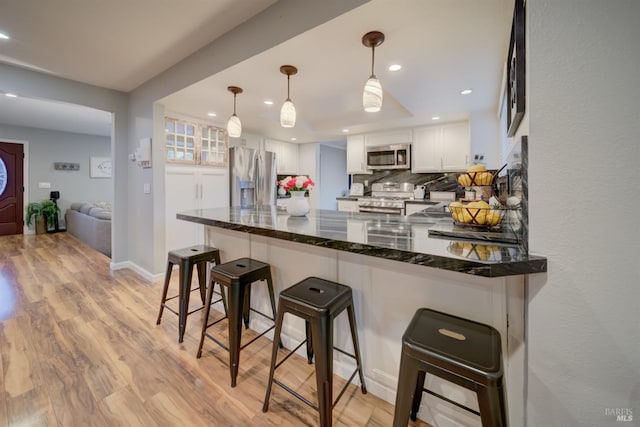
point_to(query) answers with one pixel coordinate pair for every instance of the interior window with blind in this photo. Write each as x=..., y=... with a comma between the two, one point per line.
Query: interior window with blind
x=195, y=143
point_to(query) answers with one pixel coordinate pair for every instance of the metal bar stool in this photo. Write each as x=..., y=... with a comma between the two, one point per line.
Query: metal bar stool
x=187, y=258
x=464, y=352
x=237, y=276
x=318, y=302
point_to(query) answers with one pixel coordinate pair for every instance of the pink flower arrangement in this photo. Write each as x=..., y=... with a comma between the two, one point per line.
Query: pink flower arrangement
x=296, y=183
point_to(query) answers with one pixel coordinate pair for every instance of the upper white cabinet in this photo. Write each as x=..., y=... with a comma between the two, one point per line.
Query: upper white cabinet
x=443, y=148
x=356, y=156
x=402, y=136
x=286, y=155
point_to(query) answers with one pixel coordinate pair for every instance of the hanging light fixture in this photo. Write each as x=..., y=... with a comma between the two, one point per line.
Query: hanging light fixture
x=372, y=95
x=288, y=110
x=234, y=126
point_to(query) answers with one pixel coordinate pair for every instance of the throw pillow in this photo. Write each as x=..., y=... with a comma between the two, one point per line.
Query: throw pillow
x=86, y=207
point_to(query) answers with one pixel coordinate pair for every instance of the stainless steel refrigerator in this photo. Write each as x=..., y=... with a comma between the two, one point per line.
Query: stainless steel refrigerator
x=252, y=177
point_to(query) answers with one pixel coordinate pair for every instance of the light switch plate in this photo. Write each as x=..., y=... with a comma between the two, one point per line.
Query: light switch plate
x=44, y=185
x=147, y=188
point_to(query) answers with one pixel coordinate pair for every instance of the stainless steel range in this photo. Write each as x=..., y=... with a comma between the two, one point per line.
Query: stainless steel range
x=387, y=197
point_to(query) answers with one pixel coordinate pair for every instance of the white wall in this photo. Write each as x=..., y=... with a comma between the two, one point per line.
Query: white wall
x=584, y=121
x=332, y=176
x=485, y=137
x=49, y=146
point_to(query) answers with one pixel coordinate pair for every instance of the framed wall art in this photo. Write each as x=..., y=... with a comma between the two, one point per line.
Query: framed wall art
x=516, y=70
x=100, y=167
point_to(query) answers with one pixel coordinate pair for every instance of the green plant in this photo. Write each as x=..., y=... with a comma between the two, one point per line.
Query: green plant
x=50, y=211
x=35, y=211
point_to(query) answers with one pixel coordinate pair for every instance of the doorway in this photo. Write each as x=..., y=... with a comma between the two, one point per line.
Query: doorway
x=11, y=188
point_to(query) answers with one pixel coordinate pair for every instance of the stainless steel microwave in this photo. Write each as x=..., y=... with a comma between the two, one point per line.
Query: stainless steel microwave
x=397, y=156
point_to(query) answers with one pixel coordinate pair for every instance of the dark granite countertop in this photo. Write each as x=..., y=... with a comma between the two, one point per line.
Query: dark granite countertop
x=352, y=198
x=394, y=237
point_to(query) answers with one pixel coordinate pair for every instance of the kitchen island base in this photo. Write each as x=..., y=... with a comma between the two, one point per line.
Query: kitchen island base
x=386, y=295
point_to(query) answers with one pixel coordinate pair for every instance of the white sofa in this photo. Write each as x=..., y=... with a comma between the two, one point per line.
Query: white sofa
x=91, y=223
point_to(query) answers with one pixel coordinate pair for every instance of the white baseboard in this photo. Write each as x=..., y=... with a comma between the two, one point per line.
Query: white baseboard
x=146, y=275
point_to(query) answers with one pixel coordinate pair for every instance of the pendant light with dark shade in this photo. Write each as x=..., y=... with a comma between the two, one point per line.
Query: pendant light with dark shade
x=288, y=110
x=234, y=126
x=372, y=94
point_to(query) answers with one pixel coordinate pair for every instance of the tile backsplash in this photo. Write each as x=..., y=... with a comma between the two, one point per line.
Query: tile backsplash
x=431, y=181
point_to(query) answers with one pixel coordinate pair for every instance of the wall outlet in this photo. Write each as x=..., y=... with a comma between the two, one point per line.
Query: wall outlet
x=44, y=185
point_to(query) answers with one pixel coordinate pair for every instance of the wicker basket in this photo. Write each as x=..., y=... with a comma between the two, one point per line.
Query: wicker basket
x=474, y=216
x=477, y=179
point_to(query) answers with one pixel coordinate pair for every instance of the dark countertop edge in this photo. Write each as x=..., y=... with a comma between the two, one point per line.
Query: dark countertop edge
x=349, y=198
x=534, y=264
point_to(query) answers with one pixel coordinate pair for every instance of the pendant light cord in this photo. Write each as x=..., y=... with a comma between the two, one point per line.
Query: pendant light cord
x=234, y=104
x=373, y=58
x=288, y=96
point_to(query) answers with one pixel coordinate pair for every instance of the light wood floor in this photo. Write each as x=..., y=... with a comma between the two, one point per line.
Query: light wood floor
x=79, y=347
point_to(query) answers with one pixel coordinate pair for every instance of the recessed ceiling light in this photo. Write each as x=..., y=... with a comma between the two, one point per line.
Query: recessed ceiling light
x=435, y=118
x=345, y=130
x=395, y=67
x=4, y=36
x=268, y=102
x=465, y=92
x=294, y=139
x=10, y=95
x=211, y=114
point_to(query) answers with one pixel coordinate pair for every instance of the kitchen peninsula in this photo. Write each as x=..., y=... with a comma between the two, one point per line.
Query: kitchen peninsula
x=394, y=268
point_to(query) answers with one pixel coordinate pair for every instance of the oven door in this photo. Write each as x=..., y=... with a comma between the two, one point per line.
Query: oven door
x=384, y=210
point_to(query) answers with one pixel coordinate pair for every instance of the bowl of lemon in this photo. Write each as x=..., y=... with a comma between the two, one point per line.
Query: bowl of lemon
x=476, y=176
x=476, y=214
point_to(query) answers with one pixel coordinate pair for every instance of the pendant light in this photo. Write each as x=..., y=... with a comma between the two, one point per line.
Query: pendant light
x=288, y=110
x=234, y=126
x=372, y=95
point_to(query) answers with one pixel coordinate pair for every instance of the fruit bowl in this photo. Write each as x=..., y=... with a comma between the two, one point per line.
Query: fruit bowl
x=477, y=178
x=476, y=214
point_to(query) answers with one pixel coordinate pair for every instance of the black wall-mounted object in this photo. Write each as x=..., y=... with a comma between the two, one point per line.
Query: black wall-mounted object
x=516, y=70
x=62, y=166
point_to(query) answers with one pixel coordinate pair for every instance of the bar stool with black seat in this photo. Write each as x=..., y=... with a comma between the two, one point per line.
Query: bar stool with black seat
x=237, y=276
x=458, y=350
x=318, y=302
x=187, y=258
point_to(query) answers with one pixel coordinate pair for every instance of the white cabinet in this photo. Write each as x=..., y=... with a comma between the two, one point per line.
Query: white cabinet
x=443, y=148
x=348, y=205
x=402, y=136
x=286, y=154
x=191, y=187
x=356, y=155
